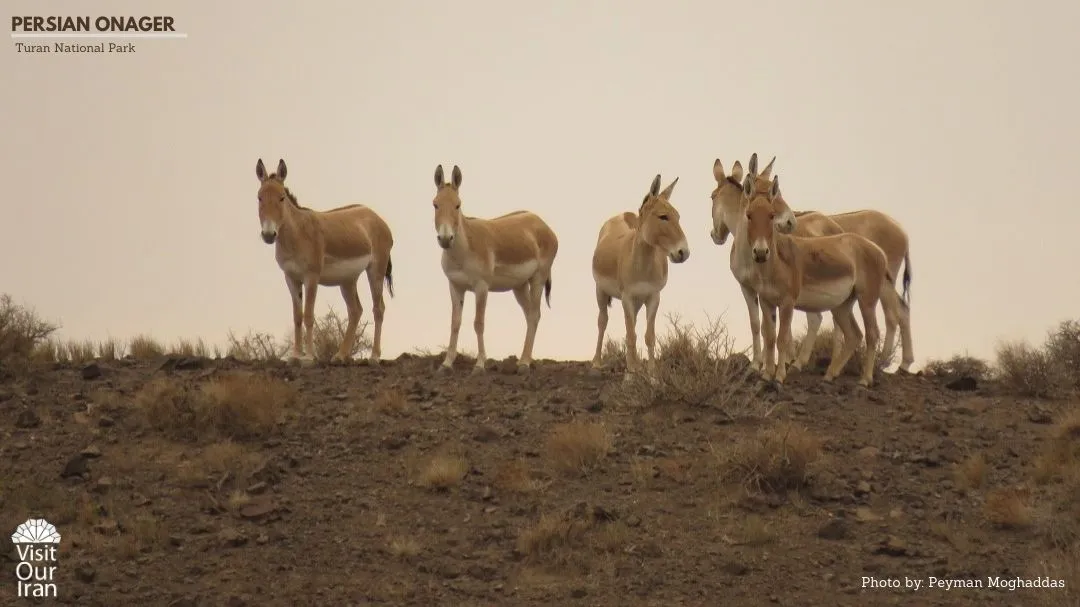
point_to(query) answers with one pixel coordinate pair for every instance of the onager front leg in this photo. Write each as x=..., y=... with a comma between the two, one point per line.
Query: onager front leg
x=783, y=346
x=602, y=303
x=768, y=331
x=755, y=325
x=630, y=312
x=652, y=305
x=297, y=297
x=478, y=325
x=457, y=301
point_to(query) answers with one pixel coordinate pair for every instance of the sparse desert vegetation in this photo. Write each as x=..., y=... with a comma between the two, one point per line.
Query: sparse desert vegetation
x=181, y=461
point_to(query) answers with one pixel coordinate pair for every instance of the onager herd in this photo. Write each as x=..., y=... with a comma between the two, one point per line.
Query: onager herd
x=783, y=260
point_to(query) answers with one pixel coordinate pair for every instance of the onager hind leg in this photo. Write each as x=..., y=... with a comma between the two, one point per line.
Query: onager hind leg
x=806, y=348
x=602, y=302
x=354, y=309
x=457, y=302
x=529, y=300
x=378, y=311
x=869, y=314
x=844, y=319
x=896, y=309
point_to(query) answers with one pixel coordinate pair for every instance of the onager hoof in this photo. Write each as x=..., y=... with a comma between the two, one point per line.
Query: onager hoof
x=524, y=368
x=595, y=371
x=866, y=383
x=829, y=377
x=479, y=370
x=373, y=361
x=444, y=369
x=338, y=359
x=306, y=361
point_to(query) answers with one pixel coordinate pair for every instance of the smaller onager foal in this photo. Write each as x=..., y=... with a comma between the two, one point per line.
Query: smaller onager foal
x=513, y=252
x=329, y=248
x=814, y=274
x=630, y=263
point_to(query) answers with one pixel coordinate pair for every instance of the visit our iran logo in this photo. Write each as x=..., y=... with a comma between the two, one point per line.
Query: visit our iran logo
x=36, y=540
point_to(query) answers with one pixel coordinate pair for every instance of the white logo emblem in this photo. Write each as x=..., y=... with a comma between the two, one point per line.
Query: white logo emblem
x=36, y=541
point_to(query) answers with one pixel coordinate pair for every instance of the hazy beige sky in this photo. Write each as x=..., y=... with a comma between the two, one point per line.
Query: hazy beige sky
x=131, y=184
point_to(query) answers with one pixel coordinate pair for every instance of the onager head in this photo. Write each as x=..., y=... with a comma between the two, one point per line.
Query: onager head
x=273, y=195
x=447, y=206
x=659, y=222
x=727, y=200
x=761, y=218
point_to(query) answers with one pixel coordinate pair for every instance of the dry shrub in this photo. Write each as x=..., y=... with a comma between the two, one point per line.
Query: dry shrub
x=613, y=355
x=1060, y=461
x=219, y=462
x=329, y=331
x=775, y=459
x=21, y=331
x=754, y=530
x=81, y=351
x=255, y=346
x=821, y=353
x=144, y=347
x=516, y=477
x=1009, y=508
x=1063, y=347
x=49, y=350
x=970, y=474
x=1059, y=465
x=237, y=405
x=961, y=365
x=578, y=447
x=197, y=348
x=443, y=471
x=695, y=367
x=1029, y=371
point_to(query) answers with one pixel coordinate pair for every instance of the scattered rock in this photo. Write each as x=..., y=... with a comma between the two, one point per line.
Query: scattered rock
x=28, y=418
x=486, y=434
x=91, y=452
x=258, y=488
x=963, y=384
x=231, y=537
x=85, y=574
x=258, y=509
x=578, y=593
x=103, y=485
x=893, y=546
x=835, y=529
x=865, y=515
x=76, y=466
x=91, y=371
x=735, y=568
x=1039, y=415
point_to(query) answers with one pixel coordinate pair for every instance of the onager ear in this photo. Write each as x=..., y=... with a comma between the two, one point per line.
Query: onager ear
x=718, y=171
x=751, y=166
x=767, y=173
x=455, y=177
x=748, y=186
x=260, y=170
x=774, y=191
x=654, y=189
x=439, y=180
x=666, y=194
x=282, y=170
x=736, y=171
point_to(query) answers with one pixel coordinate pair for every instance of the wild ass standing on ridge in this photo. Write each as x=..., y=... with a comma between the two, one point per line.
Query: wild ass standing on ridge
x=513, y=252
x=329, y=248
x=878, y=227
x=818, y=274
x=630, y=263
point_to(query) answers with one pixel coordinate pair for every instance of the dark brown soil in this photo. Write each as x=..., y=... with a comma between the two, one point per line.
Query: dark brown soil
x=334, y=507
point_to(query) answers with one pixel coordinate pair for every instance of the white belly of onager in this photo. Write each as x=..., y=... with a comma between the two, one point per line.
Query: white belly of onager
x=339, y=271
x=825, y=296
x=510, y=276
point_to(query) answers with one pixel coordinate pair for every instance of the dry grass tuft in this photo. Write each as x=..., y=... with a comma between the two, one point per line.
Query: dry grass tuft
x=778, y=458
x=970, y=474
x=572, y=539
x=959, y=366
x=111, y=349
x=404, y=549
x=1009, y=508
x=443, y=471
x=255, y=346
x=237, y=405
x=144, y=347
x=1060, y=461
x=197, y=348
x=329, y=331
x=515, y=477
x=578, y=447
x=391, y=402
